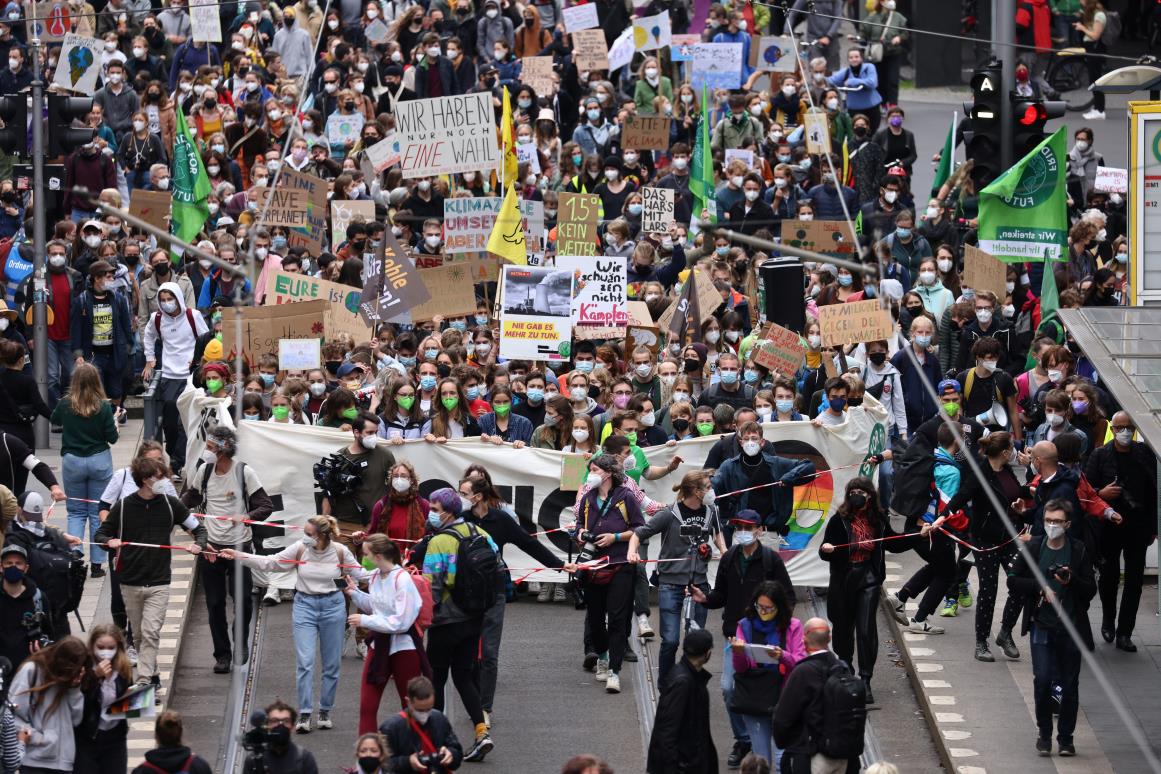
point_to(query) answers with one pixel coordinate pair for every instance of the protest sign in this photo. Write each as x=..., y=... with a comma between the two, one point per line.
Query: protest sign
x=853, y=322
x=1111, y=180
x=646, y=132
x=774, y=53
x=79, y=64
x=576, y=228
x=708, y=300
x=151, y=206
x=641, y=331
x=428, y=261
x=821, y=236
x=981, y=271
x=717, y=66
x=574, y=469
x=656, y=209
x=681, y=47
x=651, y=32
x=341, y=314
x=535, y=313
x=452, y=289
x=590, y=50
x=468, y=222
x=817, y=131
x=621, y=52
x=392, y=289
x=446, y=135
x=1023, y=213
x=343, y=131
x=205, y=22
x=536, y=71
x=780, y=350
x=745, y=156
x=343, y=213
x=377, y=31
x=598, y=290
x=283, y=206
x=385, y=153
x=264, y=326
x=486, y=269
x=299, y=354
x=312, y=234
x=580, y=17
x=528, y=154
x=50, y=21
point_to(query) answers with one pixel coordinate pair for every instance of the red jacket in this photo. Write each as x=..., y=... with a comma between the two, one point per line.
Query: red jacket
x=1034, y=24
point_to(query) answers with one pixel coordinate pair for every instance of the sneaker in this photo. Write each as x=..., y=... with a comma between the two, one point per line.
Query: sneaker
x=590, y=662
x=303, y=724
x=361, y=649
x=482, y=747
x=870, y=697
x=1094, y=115
x=923, y=627
x=95, y=571
x=271, y=597
x=896, y=606
x=286, y=595
x=324, y=720
x=603, y=672
x=630, y=655
x=613, y=684
x=222, y=666
x=545, y=594
x=644, y=630
x=950, y=608
x=558, y=593
x=983, y=653
x=1043, y=747
x=1067, y=749
x=1007, y=644
x=131, y=652
x=965, y=594
x=740, y=751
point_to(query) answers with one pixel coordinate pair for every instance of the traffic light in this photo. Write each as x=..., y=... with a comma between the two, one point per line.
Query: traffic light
x=1028, y=119
x=14, y=115
x=983, y=146
x=63, y=137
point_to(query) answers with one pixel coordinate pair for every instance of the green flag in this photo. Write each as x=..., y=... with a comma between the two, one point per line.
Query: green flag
x=946, y=159
x=701, y=177
x=1049, y=303
x=1023, y=212
x=191, y=187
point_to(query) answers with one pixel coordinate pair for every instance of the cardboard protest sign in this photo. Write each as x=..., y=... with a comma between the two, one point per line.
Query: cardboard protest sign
x=780, y=350
x=535, y=314
x=817, y=131
x=428, y=261
x=528, y=154
x=385, y=153
x=657, y=205
x=646, y=133
x=536, y=71
x=983, y=271
x=377, y=31
x=446, y=135
x=745, y=156
x=1111, y=180
x=49, y=20
x=264, y=326
x=453, y=292
x=532, y=220
x=299, y=354
x=574, y=468
x=641, y=330
x=151, y=206
x=775, y=53
x=580, y=17
x=576, y=228
x=853, y=322
x=468, y=222
x=651, y=32
x=79, y=64
x=283, y=206
x=392, y=289
x=205, y=21
x=343, y=213
x=822, y=236
x=312, y=234
x=341, y=313
x=598, y=290
x=486, y=269
x=590, y=50
x=717, y=66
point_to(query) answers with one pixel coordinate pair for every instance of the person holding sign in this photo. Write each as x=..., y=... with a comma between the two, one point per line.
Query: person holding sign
x=650, y=85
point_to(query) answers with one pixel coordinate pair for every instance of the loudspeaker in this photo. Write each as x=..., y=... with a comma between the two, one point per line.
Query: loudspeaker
x=780, y=293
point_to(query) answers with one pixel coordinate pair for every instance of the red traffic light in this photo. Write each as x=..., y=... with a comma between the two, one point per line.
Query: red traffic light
x=1032, y=114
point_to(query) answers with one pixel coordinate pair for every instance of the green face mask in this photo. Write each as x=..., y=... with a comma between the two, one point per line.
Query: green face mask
x=280, y=412
x=450, y=403
x=502, y=409
x=951, y=408
x=405, y=401
x=631, y=438
x=705, y=428
x=351, y=413
x=218, y=335
x=213, y=385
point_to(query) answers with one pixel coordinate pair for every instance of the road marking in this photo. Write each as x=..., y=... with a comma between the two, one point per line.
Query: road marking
x=893, y=565
x=962, y=752
x=914, y=637
x=944, y=701
x=921, y=652
x=936, y=684
x=925, y=667
x=955, y=736
x=948, y=717
x=971, y=770
x=890, y=578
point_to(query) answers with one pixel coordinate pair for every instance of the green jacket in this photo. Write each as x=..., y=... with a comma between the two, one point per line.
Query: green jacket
x=644, y=95
x=873, y=30
x=730, y=134
x=841, y=128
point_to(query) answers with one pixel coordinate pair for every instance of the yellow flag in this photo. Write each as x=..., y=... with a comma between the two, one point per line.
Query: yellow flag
x=507, y=237
x=508, y=137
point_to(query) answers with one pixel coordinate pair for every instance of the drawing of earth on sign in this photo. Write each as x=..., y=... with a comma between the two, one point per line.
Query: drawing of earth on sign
x=80, y=60
x=812, y=502
x=772, y=54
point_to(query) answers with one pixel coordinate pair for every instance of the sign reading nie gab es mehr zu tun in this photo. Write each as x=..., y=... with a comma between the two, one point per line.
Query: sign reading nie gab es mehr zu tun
x=446, y=135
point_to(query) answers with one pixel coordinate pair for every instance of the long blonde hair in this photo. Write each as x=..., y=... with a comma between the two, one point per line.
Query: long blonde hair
x=86, y=394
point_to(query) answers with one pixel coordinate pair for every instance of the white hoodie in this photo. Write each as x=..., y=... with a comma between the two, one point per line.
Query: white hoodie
x=178, y=339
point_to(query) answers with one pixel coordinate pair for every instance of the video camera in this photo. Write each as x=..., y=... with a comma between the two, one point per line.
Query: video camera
x=588, y=547
x=255, y=741
x=33, y=623
x=432, y=761
x=698, y=536
x=336, y=475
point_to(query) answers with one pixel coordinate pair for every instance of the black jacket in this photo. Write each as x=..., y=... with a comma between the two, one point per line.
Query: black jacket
x=984, y=523
x=733, y=590
x=13, y=636
x=914, y=468
x=1102, y=471
x=86, y=732
x=1011, y=359
x=173, y=759
x=761, y=215
x=730, y=446
x=402, y=741
x=1062, y=487
x=838, y=533
x=1023, y=583
x=681, y=742
x=798, y=717
x=296, y=760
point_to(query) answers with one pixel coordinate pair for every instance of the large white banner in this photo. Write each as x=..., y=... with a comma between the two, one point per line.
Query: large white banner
x=529, y=479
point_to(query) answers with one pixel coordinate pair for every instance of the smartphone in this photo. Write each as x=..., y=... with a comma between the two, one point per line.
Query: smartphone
x=340, y=583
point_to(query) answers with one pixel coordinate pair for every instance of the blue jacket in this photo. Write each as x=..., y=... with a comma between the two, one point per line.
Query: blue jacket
x=81, y=326
x=920, y=407
x=665, y=273
x=731, y=476
x=860, y=99
x=826, y=201
x=519, y=428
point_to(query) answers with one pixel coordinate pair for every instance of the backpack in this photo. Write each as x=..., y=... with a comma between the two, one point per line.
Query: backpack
x=844, y=713
x=188, y=316
x=239, y=468
x=185, y=767
x=1112, y=31
x=58, y=572
x=427, y=601
x=476, y=568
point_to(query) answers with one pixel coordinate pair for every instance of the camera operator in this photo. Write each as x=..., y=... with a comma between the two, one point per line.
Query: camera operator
x=686, y=528
x=57, y=564
x=22, y=616
x=279, y=755
x=421, y=737
x=170, y=755
x=372, y=463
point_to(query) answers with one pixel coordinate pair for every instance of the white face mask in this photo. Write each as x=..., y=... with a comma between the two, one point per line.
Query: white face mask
x=1054, y=531
x=1124, y=437
x=736, y=181
x=105, y=654
x=318, y=389
x=648, y=419
x=832, y=104
x=483, y=349
x=577, y=394
x=400, y=483
x=93, y=241
x=369, y=441
x=680, y=397
x=927, y=277
x=751, y=448
x=814, y=341
x=890, y=196
x=1054, y=420
x=932, y=213
x=712, y=337
x=309, y=541
x=984, y=316
x=744, y=537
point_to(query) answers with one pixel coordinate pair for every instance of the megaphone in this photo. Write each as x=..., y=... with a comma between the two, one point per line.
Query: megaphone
x=996, y=415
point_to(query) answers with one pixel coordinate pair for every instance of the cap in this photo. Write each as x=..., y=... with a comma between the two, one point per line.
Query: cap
x=347, y=368
x=100, y=268
x=614, y=162
x=12, y=548
x=213, y=350
x=697, y=643
x=94, y=224
x=31, y=502
x=949, y=384
x=7, y=311
x=218, y=368
x=746, y=516
x=546, y=114
x=393, y=70
x=488, y=69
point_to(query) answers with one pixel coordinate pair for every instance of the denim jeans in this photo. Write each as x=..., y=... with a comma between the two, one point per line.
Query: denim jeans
x=318, y=619
x=60, y=370
x=737, y=724
x=85, y=479
x=1055, y=661
x=670, y=599
x=490, y=635
x=761, y=731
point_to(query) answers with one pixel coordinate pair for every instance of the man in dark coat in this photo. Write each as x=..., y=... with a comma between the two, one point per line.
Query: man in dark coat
x=681, y=740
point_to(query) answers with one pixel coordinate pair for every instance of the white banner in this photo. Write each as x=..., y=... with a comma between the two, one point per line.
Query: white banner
x=529, y=479
x=445, y=135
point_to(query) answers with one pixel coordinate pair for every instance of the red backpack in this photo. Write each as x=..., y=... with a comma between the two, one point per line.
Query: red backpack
x=427, y=603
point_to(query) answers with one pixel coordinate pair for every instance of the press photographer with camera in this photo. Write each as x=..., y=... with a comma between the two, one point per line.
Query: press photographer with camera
x=687, y=529
x=421, y=737
x=21, y=604
x=272, y=752
x=352, y=485
x=54, y=561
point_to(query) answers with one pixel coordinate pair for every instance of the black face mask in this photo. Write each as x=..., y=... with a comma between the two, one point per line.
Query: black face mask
x=692, y=365
x=681, y=425
x=161, y=269
x=854, y=401
x=279, y=737
x=444, y=370
x=915, y=310
x=857, y=501
x=860, y=131
x=878, y=358
x=368, y=763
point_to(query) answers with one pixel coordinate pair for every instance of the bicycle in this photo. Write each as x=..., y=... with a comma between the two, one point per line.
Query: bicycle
x=1067, y=74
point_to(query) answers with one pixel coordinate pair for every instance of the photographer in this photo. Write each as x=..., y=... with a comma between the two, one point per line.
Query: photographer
x=279, y=755
x=687, y=528
x=421, y=735
x=22, y=608
x=54, y=564
x=371, y=463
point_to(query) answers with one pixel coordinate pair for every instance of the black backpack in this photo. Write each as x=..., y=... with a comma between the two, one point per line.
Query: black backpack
x=476, y=568
x=844, y=713
x=58, y=572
